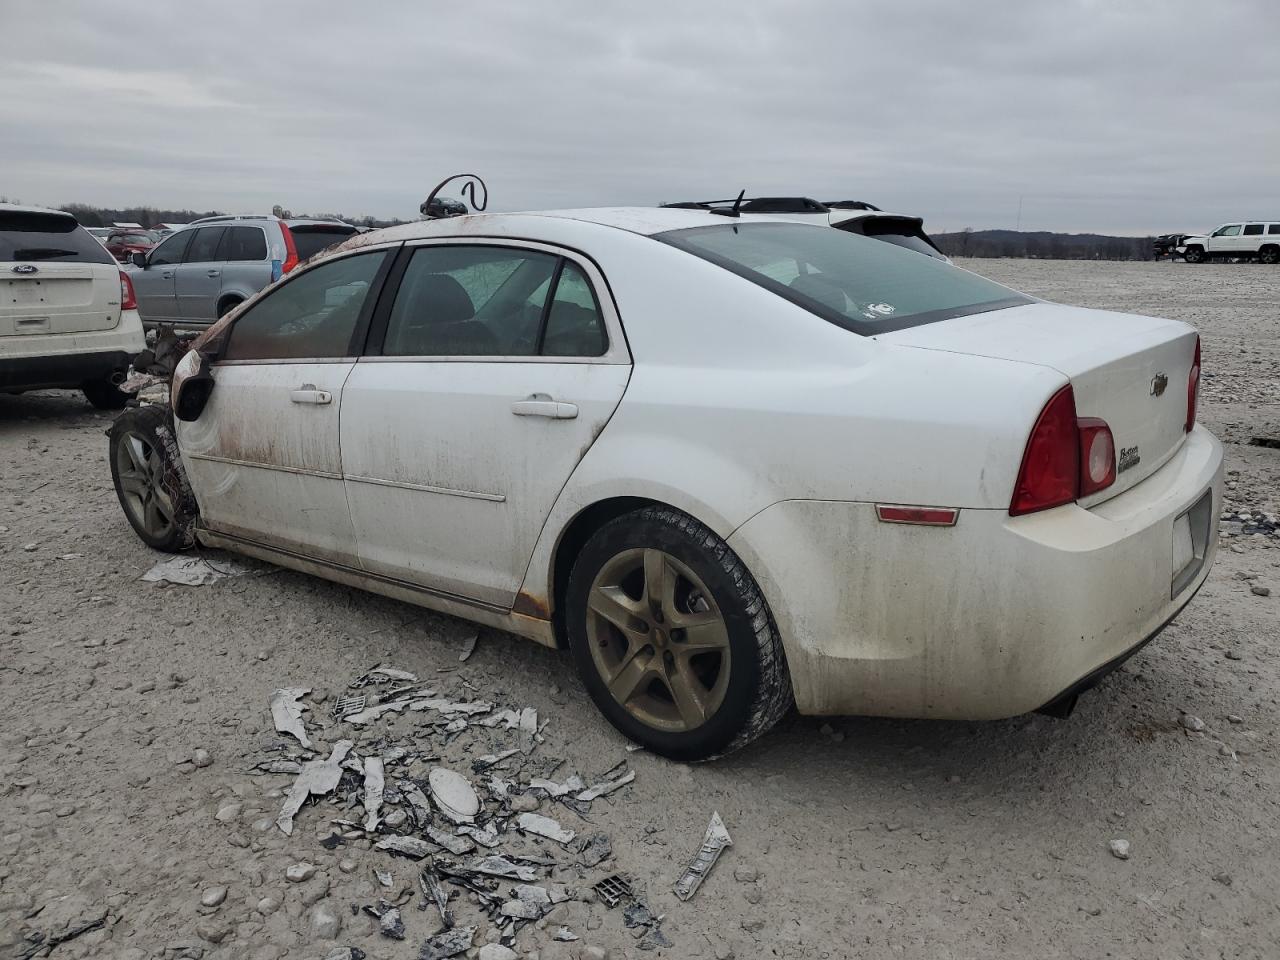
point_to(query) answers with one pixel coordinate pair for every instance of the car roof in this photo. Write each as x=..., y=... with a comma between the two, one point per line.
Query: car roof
x=24, y=208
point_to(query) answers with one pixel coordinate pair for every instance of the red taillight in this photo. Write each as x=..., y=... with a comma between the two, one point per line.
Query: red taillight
x=1050, y=474
x=1097, y=456
x=1193, y=389
x=290, y=251
x=128, y=299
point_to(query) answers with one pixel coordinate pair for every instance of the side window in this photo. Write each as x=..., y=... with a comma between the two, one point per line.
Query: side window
x=469, y=301
x=242, y=243
x=1253, y=229
x=1232, y=230
x=204, y=247
x=314, y=315
x=1273, y=229
x=574, y=325
x=171, y=250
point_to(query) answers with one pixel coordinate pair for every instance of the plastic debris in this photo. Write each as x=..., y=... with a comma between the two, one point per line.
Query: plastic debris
x=455, y=845
x=485, y=836
x=277, y=766
x=374, y=785
x=286, y=712
x=343, y=707
x=445, y=706
x=607, y=787
x=612, y=890
x=496, y=866
x=544, y=827
x=594, y=850
x=405, y=846
x=555, y=790
x=317, y=777
x=565, y=935
x=715, y=840
x=453, y=795
x=447, y=944
x=194, y=571
x=417, y=799
x=390, y=923
x=384, y=877
x=480, y=764
x=372, y=713
x=382, y=675
x=528, y=729
x=432, y=887
x=468, y=647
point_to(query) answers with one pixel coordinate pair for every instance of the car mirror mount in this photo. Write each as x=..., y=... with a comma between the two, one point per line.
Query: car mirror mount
x=139, y=259
x=192, y=394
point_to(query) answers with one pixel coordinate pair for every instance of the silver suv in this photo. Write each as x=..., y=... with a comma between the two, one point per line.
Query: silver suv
x=203, y=270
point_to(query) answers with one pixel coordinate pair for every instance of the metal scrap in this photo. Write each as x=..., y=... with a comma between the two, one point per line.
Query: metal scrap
x=448, y=944
x=374, y=784
x=544, y=827
x=612, y=890
x=344, y=706
x=316, y=778
x=607, y=787
x=715, y=840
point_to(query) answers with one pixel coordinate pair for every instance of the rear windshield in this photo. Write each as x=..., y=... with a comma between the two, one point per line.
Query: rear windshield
x=309, y=241
x=47, y=236
x=858, y=283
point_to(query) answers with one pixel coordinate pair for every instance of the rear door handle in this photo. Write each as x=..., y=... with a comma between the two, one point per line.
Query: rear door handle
x=541, y=405
x=167, y=275
x=309, y=394
x=211, y=273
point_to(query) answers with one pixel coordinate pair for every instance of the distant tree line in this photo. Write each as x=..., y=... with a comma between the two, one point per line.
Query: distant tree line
x=91, y=216
x=1043, y=245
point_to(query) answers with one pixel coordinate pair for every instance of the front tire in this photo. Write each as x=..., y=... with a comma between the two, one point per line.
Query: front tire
x=148, y=484
x=1194, y=255
x=672, y=637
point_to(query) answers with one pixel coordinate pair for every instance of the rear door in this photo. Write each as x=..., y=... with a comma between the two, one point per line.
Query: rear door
x=263, y=458
x=497, y=366
x=154, y=284
x=243, y=259
x=1251, y=237
x=198, y=280
x=54, y=276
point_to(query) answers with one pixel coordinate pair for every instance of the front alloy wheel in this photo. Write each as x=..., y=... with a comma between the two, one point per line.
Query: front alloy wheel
x=141, y=473
x=1193, y=255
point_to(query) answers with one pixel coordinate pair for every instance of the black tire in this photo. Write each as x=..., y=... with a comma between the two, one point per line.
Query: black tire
x=1269, y=254
x=758, y=690
x=152, y=429
x=1194, y=255
x=104, y=394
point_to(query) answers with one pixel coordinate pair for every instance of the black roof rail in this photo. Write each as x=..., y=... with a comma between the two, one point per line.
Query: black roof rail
x=756, y=205
x=851, y=205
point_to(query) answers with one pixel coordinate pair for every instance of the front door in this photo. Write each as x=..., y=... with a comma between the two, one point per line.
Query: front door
x=1225, y=240
x=154, y=285
x=264, y=458
x=499, y=367
x=199, y=279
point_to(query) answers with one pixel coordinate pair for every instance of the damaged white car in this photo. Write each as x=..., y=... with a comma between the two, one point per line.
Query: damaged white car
x=732, y=463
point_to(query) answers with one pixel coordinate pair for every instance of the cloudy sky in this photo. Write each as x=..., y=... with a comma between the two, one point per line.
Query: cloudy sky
x=1123, y=117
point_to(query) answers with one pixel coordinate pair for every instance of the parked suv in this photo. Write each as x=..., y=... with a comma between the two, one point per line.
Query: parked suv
x=68, y=317
x=1244, y=238
x=202, y=271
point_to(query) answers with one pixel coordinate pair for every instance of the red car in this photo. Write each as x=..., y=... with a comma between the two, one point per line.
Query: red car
x=123, y=244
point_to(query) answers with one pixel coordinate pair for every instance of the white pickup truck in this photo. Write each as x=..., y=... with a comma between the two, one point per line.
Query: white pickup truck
x=1244, y=238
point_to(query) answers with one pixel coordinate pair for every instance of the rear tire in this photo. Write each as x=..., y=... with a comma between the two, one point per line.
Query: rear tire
x=1269, y=255
x=104, y=394
x=1194, y=255
x=150, y=487
x=696, y=669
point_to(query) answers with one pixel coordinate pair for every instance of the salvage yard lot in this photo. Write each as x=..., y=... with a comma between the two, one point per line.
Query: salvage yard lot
x=851, y=836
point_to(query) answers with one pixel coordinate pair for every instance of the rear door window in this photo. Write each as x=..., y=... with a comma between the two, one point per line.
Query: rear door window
x=204, y=248
x=1273, y=229
x=29, y=236
x=574, y=327
x=243, y=243
x=310, y=240
x=1253, y=229
x=171, y=251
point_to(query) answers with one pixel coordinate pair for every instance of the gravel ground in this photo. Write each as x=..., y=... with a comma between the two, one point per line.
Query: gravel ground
x=851, y=837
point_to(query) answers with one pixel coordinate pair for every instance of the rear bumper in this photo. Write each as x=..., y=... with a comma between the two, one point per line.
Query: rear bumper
x=69, y=359
x=993, y=617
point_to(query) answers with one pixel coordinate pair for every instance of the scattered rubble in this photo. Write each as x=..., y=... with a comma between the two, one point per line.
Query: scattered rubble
x=1119, y=849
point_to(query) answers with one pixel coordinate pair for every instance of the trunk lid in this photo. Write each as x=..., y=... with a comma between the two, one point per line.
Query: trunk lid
x=59, y=298
x=1130, y=371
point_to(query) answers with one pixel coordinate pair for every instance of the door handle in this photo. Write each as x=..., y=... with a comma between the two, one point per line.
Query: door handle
x=309, y=394
x=541, y=405
x=167, y=275
x=211, y=273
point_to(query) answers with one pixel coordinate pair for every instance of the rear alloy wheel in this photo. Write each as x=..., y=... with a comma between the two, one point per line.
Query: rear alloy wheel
x=104, y=394
x=142, y=476
x=1194, y=255
x=672, y=637
x=1269, y=255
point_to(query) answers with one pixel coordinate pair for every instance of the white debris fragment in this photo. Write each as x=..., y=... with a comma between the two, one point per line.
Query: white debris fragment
x=600, y=789
x=565, y=935
x=542, y=826
x=384, y=877
x=468, y=647
x=555, y=790
x=417, y=799
x=528, y=729
x=317, y=777
x=714, y=841
x=372, y=713
x=453, y=795
x=485, y=836
x=442, y=705
x=189, y=571
x=495, y=866
x=383, y=675
x=374, y=783
x=521, y=910
x=492, y=759
x=408, y=846
x=286, y=712
x=455, y=845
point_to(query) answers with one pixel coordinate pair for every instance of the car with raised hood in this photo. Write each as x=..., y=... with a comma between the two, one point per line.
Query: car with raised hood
x=1243, y=240
x=68, y=316
x=731, y=462
x=208, y=267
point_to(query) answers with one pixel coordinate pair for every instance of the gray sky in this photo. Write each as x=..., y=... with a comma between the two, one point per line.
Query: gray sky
x=1119, y=116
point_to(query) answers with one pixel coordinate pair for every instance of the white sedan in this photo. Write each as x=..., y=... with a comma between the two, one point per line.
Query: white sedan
x=731, y=463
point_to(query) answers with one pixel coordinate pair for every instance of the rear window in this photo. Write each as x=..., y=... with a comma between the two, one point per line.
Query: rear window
x=864, y=285
x=47, y=236
x=309, y=241
x=1252, y=229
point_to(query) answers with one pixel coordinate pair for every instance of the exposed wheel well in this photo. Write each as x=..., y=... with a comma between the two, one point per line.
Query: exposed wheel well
x=571, y=543
x=227, y=302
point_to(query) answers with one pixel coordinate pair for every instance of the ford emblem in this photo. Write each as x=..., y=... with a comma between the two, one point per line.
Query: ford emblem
x=26, y=268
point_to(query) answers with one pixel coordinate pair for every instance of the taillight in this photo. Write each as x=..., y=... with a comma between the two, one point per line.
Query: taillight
x=1066, y=458
x=1193, y=389
x=128, y=299
x=290, y=251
